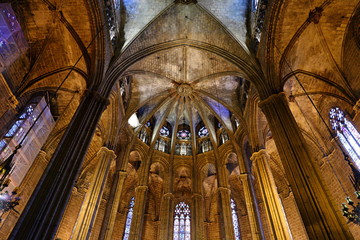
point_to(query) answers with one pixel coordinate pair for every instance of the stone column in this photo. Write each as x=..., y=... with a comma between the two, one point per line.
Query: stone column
x=197, y=216
x=140, y=199
x=315, y=206
x=256, y=232
x=88, y=211
x=138, y=213
x=224, y=199
x=274, y=209
x=113, y=202
x=225, y=213
x=46, y=206
x=166, y=216
x=112, y=209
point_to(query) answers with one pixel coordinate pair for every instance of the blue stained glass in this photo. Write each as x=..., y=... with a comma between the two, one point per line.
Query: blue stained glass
x=129, y=219
x=164, y=132
x=14, y=128
x=348, y=135
x=235, y=220
x=182, y=222
x=2, y=144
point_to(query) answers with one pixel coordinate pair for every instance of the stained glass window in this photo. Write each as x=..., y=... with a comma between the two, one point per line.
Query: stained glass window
x=34, y=140
x=182, y=222
x=128, y=219
x=164, y=132
x=183, y=134
x=348, y=135
x=203, y=132
x=235, y=220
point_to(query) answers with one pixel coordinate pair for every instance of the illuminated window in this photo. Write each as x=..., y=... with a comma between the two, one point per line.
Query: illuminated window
x=164, y=132
x=12, y=40
x=235, y=220
x=348, y=135
x=183, y=134
x=203, y=132
x=35, y=138
x=255, y=4
x=128, y=219
x=182, y=222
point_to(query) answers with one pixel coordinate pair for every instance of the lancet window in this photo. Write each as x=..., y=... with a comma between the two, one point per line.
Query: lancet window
x=235, y=220
x=348, y=135
x=129, y=219
x=182, y=222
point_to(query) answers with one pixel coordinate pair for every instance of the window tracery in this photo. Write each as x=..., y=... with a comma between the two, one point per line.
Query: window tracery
x=164, y=132
x=348, y=135
x=182, y=222
x=183, y=134
x=203, y=132
x=129, y=219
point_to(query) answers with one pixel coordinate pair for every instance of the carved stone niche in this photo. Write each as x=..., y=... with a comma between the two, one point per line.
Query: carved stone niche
x=186, y=1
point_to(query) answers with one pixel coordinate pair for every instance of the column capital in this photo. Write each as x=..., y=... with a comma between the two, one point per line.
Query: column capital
x=97, y=96
x=122, y=174
x=141, y=189
x=356, y=107
x=272, y=98
x=104, y=151
x=224, y=189
x=196, y=195
x=262, y=153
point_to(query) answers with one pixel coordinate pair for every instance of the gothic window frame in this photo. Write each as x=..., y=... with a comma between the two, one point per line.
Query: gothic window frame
x=182, y=221
x=235, y=219
x=347, y=133
x=164, y=132
x=128, y=221
x=203, y=132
